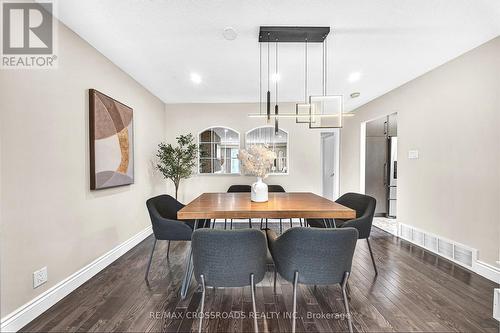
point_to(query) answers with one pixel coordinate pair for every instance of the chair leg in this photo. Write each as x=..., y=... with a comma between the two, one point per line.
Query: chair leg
x=266, y=224
x=346, y=301
x=213, y=224
x=250, y=223
x=294, y=307
x=275, y=276
x=300, y=221
x=149, y=262
x=281, y=226
x=371, y=255
x=202, y=308
x=261, y=220
x=291, y=225
x=231, y=224
x=225, y=224
x=168, y=249
x=252, y=287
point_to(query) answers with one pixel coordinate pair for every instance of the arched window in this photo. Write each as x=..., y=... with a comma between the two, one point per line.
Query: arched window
x=218, y=151
x=277, y=142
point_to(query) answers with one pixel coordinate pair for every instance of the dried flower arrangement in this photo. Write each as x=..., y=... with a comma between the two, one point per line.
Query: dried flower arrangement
x=257, y=160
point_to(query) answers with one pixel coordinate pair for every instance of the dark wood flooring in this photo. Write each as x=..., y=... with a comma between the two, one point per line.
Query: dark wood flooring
x=414, y=291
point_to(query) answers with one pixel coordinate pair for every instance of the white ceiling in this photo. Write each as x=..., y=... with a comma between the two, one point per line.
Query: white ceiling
x=160, y=43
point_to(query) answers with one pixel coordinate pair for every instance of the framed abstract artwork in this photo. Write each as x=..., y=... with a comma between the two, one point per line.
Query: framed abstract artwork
x=111, y=142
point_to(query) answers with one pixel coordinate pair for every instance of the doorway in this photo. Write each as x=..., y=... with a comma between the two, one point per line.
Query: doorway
x=380, y=164
x=330, y=164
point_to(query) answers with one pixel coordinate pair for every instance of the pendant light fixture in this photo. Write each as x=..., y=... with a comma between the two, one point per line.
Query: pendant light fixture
x=325, y=110
x=319, y=111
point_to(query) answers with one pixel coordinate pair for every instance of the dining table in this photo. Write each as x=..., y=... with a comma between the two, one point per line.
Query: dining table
x=304, y=205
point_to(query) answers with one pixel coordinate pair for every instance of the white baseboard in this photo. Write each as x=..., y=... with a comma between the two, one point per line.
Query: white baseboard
x=488, y=271
x=481, y=268
x=29, y=311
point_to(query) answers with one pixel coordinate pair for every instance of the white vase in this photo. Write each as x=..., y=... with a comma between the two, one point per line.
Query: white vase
x=259, y=191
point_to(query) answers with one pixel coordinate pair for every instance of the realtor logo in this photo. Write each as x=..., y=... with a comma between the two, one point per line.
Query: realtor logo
x=27, y=35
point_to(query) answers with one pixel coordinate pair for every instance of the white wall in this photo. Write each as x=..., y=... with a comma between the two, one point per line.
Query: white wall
x=49, y=216
x=452, y=116
x=305, y=168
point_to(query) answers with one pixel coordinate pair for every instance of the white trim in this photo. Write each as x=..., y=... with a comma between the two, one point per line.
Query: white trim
x=481, y=268
x=362, y=157
x=488, y=271
x=29, y=311
x=198, y=173
x=287, y=148
x=336, y=156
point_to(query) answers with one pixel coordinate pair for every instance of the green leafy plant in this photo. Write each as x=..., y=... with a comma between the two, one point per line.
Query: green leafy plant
x=176, y=163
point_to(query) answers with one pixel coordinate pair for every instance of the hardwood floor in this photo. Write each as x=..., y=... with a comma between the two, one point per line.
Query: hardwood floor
x=414, y=291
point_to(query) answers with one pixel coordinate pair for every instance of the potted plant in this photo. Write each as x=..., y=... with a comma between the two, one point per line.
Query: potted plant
x=176, y=163
x=257, y=161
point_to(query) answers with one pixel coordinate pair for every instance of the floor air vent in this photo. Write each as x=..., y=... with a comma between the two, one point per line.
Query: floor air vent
x=459, y=253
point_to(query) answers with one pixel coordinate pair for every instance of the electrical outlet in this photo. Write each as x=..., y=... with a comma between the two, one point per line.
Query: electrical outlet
x=496, y=304
x=40, y=277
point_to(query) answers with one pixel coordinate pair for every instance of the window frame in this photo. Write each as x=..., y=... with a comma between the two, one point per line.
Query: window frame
x=287, y=148
x=198, y=157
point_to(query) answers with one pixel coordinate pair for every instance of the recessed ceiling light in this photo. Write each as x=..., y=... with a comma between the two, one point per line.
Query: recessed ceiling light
x=195, y=78
x=355, y=95
x=354, y=76
x=229, y=33
x=275, y=77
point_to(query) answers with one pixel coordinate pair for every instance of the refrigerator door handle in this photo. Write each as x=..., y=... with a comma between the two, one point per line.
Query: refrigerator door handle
x=385, y=173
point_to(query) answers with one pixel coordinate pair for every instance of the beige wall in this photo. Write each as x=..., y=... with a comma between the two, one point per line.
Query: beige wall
x=452, y=116
x=305, y=169
x=49, y=217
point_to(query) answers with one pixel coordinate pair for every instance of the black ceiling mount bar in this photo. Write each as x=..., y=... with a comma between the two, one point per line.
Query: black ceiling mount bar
x=293, y=34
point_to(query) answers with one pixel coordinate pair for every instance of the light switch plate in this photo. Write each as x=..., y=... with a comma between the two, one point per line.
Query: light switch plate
x=40, y=277
x=412, y=154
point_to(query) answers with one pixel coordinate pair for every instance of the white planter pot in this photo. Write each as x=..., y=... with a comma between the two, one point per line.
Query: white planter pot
x=259, y=191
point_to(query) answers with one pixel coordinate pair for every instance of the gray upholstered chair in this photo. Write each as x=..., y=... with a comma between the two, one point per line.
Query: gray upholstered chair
x=314, y=256
x=364, y=205
x=238, y=189
x=229, y=258
x=163, y=213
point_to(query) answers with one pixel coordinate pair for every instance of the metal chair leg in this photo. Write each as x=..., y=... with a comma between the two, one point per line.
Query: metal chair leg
x=231, y=224
x=346, y=301
x=300, y=221
x=281, y=226
x=252, y=287
x=371, y=255
x=225, y=224
x=294, y=307
x=266, y=224
x=213, y=224
x=348, y=290
x=250, y=223
x=149, y=262
x=202, y=308
x=261, y=220
x=168, y=249
x=275, y=276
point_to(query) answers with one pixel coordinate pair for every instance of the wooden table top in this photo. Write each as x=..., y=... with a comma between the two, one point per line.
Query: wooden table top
x=280, y=205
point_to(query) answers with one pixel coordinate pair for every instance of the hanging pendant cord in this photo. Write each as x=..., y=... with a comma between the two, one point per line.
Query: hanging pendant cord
x=276, y=126
x=276, y=74
x=326, y=65
x=323, y=65
x=305, y=74
x=260, y=77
